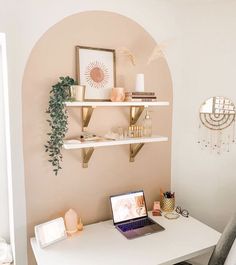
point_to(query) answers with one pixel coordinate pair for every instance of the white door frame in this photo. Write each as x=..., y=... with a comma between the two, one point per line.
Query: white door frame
x=17, y=222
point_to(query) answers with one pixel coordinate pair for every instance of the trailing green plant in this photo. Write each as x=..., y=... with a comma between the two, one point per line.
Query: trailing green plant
x=59, y=93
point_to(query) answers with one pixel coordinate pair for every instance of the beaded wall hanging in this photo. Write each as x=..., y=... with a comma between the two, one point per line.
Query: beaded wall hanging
x=217, y=126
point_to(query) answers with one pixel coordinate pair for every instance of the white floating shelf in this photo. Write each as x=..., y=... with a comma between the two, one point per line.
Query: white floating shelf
x=114, y=104
x=89, y=144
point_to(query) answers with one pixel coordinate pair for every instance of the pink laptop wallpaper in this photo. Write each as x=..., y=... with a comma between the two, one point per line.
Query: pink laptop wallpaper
x=128, y=206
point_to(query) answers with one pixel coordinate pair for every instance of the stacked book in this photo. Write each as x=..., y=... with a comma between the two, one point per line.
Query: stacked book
x=140, y=96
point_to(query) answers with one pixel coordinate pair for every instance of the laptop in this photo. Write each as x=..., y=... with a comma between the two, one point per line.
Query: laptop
x=130, y=215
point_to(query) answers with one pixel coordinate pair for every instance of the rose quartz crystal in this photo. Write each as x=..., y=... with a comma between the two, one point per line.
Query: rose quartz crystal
x=71, y=221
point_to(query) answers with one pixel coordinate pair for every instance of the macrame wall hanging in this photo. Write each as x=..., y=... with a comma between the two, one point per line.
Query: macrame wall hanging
x=217, y=124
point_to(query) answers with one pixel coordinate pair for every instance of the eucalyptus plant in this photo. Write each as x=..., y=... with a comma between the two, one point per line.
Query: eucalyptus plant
x=58, y=123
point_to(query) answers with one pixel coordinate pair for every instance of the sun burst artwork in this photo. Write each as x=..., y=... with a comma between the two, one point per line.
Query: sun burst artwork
x=96, y=71
x=97, y=74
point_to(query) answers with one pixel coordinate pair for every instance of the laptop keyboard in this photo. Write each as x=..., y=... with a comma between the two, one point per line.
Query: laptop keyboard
x=135, y=224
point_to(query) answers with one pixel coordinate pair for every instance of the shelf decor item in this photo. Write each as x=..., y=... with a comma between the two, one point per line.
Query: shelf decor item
x=95, y=68
x=139, y=87
x=59, y=94
x=77, y=93
x=147, y=125
x=117, y=94
x=127, y=54
x=217, y=124
x=140, y=96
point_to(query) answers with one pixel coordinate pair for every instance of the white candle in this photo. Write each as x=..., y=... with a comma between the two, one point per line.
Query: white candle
x=139, y=83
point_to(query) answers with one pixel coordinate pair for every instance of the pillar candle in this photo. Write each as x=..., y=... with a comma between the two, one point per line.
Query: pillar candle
x=139, y=83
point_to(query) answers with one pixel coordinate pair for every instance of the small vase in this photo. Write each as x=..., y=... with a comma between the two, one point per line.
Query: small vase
x=77, y=92
x=117, y=94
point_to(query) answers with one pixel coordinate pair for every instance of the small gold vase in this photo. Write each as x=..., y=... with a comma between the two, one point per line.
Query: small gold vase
x=77, y=93
x=167, y=204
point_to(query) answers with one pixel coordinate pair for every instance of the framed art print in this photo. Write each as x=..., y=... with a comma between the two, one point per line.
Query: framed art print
x=95, y=68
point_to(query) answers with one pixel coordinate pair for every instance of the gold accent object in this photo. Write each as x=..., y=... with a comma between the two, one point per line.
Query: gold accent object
x=134, y=149
x=86, y=155
x=77, y=92
x=171, y=216
x=86, y=116
x=217, y=128
x=135, y=113
x=167, y=204
x=80, y=225
x=217, y=113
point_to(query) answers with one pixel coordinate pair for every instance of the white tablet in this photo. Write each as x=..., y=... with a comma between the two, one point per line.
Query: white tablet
x=50, y=232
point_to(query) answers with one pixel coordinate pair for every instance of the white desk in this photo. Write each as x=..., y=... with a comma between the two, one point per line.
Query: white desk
x=102, y=244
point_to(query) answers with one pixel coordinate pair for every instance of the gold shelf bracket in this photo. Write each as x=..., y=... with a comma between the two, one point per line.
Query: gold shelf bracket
x=86, y=116
x=134, y=149
x=135, y=113
x=86, y=155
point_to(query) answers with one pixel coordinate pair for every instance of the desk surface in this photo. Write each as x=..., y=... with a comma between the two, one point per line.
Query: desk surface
x=102, y=244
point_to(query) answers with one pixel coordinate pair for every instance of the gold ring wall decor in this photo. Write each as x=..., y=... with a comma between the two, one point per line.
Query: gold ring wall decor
x=217, y=115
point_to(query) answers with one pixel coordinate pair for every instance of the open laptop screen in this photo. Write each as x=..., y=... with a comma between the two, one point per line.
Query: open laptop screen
x=128, y=206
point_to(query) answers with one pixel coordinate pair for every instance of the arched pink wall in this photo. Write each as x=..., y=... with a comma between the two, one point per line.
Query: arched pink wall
x=109, y=171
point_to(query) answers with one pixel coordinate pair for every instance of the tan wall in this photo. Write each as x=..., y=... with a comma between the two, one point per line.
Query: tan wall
x=109, y=171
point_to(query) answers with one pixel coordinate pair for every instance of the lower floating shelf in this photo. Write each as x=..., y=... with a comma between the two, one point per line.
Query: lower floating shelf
x=73, y=145
x=88, y=147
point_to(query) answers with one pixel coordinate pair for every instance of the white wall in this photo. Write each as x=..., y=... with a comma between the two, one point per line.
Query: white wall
x=201, y=57
x=205, y=183
x=4, y=219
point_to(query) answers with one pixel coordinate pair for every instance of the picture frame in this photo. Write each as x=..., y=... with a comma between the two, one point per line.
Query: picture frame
x=50, y=232
x=96, y=70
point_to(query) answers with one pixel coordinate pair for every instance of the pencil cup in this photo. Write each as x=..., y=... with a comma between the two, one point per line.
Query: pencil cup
x=167, y=204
